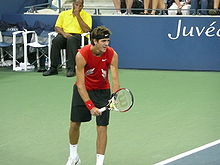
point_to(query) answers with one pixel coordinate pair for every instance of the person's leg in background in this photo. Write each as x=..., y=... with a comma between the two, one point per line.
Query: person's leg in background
x=216, y=4
x=147, y=7
x=73, y=44
x=157, y=4
x=58, y=43
x=204, y=7
x=129, y=4
x=117, y=4
x=194, y=6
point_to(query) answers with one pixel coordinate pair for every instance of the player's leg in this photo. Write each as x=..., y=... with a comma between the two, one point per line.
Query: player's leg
x=100, y=98
x=79, y=113
x=101, y=144
x=74, y=132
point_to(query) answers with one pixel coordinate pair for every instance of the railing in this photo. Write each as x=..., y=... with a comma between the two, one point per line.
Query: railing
x=35, y=8
x=110, y=10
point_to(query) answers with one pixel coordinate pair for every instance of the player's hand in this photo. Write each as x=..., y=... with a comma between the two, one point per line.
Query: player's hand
x=95, y=112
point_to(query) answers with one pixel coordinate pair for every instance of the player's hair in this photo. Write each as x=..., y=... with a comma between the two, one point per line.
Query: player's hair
x=100, y=32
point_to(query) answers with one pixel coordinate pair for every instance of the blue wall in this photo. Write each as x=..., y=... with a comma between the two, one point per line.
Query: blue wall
x=143, y=42
x=16, y=6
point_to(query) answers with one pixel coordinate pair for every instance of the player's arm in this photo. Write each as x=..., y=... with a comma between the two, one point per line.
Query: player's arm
x=80, y=81
x=114, y=73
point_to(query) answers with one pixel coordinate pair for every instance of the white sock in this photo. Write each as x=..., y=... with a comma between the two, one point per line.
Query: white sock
x=73, y=151
x=99, y=159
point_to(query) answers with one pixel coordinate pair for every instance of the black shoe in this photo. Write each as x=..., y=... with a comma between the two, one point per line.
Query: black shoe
x=142, y=13
x=41, y=70
x=51, y=71
x=70, y=73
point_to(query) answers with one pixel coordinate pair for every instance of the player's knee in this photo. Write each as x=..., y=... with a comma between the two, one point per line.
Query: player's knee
x=74, y=126
x=102, y=129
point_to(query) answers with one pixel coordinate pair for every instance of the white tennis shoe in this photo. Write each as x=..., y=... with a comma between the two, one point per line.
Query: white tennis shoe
x=72, y=161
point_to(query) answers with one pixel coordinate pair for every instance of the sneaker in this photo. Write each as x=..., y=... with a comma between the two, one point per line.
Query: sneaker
x=116, y=13
x=70, y=73
x=73, y=162
x=41, y=70
x=51, y=71
x=127, y=13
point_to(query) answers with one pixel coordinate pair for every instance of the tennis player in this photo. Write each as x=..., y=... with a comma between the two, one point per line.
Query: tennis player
x=92, y=91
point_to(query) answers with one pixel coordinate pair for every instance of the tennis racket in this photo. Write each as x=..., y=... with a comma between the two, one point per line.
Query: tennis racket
x=121, y=101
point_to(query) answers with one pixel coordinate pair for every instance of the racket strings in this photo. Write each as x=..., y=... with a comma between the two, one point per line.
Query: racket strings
x=123, y=100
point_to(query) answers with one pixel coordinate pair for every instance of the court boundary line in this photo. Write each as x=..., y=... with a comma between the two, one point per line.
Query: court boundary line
x=187, y=153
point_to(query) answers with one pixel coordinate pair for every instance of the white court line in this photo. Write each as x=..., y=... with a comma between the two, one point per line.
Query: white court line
x=188, y=153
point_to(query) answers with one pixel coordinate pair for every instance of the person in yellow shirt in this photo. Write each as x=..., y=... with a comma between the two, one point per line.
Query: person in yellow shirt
x=70, y=25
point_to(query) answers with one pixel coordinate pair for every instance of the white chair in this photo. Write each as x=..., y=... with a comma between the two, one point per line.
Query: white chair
x=83, y=38
x=34, y=43
x=4, y=44
x=51, y=35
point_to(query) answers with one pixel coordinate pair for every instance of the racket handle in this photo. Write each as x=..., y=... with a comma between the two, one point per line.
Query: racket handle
x=102, y=109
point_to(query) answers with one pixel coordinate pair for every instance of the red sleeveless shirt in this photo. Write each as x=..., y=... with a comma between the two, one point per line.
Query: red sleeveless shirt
x=96, y=68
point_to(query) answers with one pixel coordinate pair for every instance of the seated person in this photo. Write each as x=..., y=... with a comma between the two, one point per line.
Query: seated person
x=179, y=8
x=70, y=25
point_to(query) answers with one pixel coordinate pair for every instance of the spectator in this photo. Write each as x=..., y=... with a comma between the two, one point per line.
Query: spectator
x=179, y=7
x=146, y=7
x=216, y=4
x=69, y=25
x=215, y=11
x=200, y=4
x=151, y=6
x=117, y=4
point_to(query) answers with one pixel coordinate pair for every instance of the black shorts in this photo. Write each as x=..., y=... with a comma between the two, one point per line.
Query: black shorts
x=80, y=113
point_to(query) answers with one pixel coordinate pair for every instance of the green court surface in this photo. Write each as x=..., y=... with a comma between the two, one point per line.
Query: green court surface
x=174, y=111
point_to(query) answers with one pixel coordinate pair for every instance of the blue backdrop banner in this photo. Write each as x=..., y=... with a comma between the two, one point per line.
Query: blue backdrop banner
x=157, y=42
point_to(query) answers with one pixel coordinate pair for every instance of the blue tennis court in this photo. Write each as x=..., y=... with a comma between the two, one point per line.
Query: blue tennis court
x=204, y=155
